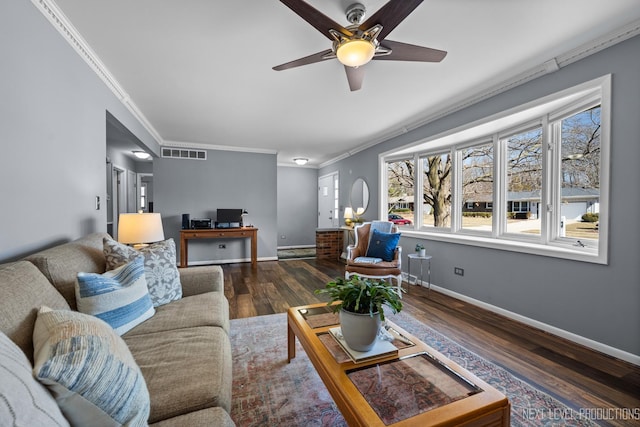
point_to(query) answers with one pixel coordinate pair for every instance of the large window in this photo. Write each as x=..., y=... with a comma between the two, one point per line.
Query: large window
x=436, y=190
x=530, y=179
x=477, y=164
x=400, y=189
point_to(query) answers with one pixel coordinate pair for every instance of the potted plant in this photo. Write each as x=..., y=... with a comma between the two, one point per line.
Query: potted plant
x=420, y=249
x=360, y=302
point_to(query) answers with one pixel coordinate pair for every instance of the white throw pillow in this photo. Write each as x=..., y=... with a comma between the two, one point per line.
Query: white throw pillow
x=89, y=370
x=120, y=297
x=23, y=400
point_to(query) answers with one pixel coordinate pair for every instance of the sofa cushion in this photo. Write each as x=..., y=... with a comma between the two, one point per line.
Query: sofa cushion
x=204, y=418
x=24, y=289
x=201, y=279
x=119, y=297
x=23, y=400
x=88, y=369
x=185, y=370
x=210, y=309
x=160, y=267
x=61, y=263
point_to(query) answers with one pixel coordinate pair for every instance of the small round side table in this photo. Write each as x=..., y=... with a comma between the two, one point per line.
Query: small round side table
x=422, y=259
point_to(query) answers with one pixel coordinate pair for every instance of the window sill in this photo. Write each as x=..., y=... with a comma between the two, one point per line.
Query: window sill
x=564, y=252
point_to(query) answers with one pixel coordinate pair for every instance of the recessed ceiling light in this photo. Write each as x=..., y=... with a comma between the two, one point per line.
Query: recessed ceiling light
x=300, y=161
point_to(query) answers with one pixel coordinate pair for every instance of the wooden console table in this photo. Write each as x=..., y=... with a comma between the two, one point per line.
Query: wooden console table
x=218, y=233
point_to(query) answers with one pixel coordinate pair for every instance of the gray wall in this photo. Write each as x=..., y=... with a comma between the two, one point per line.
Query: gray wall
x=297, y=206
x=227, y=180
x=53, y=136
x=598, y=302
x=365, y=166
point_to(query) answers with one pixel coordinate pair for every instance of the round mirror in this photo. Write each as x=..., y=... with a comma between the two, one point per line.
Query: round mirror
x=359, y=196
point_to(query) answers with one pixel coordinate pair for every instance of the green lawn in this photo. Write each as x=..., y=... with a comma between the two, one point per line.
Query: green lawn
x=579, y=230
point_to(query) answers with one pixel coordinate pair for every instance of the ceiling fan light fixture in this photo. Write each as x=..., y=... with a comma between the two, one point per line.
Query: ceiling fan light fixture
x=355, y=53
x=300, y=161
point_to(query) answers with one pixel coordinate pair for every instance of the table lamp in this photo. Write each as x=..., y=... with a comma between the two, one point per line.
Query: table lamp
x=348, y=216
x=140, y=229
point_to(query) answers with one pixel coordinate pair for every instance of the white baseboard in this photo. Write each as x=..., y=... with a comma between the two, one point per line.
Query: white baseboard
x=587, y=342
x=296, y=247
x=228, y=261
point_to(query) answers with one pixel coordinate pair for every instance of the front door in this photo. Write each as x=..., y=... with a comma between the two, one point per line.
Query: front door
x=328, y=191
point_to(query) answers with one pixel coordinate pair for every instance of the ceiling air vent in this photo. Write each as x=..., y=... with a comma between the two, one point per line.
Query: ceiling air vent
x=184, y=153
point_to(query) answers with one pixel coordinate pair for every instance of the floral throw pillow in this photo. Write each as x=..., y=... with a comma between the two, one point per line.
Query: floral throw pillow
x=160, y=268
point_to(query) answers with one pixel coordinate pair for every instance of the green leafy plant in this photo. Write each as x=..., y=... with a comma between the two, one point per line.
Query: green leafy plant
x=362, y=295
x=419, y=247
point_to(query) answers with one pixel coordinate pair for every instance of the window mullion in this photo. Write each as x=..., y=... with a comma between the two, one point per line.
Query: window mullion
x=456, y=190
x=418, y=190
x=500, y=187
x=550, y=143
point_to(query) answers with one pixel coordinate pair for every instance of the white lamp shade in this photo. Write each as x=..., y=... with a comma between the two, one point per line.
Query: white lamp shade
x=348, y=213
x=135, y=228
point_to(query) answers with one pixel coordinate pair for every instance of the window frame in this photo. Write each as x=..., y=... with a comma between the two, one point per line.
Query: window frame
x=547, y=112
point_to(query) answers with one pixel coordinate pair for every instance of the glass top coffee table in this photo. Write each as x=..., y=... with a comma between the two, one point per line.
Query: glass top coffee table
x=413, y=386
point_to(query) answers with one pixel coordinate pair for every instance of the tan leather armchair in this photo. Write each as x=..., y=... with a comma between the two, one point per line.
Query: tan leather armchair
x=381, y=270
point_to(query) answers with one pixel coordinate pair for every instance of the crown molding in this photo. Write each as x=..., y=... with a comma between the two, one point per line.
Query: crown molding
x=288, y=165
x=60, y=22
x=550, y=66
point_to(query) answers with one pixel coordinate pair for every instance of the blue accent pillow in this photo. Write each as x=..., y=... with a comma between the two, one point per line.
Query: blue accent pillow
x=119, y=297
x=383, y=245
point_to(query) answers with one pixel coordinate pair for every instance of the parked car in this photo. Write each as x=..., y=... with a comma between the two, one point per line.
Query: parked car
x=397, y=219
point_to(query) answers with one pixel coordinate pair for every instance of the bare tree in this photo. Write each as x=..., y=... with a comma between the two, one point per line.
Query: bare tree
x=580, y=166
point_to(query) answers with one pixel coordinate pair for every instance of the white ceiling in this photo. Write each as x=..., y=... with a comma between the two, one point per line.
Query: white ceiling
x=200, y=71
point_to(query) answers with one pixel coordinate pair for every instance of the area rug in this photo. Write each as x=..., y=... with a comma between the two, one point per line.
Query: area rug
x=296, y=253
x=268, y=391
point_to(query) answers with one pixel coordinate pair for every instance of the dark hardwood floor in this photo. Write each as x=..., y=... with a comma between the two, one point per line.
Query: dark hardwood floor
x=579, y=377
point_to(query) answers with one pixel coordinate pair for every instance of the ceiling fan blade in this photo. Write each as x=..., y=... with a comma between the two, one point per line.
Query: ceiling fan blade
x=390, y=15
x=355, y=76
x=410, y=52
x=318, y=20
x=311, y=59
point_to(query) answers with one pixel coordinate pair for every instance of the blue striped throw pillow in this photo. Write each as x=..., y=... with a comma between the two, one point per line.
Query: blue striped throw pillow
x=89, y=370
x=119, y=297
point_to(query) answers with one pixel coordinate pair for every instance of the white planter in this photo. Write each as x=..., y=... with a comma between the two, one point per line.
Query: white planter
x=422, y=252
x=359, y=330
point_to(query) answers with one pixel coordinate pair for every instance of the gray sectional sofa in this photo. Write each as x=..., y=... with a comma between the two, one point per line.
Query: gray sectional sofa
x=183, y=351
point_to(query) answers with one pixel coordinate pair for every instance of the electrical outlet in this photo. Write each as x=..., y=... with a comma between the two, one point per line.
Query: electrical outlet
x=459, y=271
x=222, y=246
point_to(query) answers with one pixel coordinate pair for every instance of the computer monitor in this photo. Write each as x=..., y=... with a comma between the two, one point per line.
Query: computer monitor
x=228, y=218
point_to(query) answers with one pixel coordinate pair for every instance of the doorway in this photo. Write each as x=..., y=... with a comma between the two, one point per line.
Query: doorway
x=328, y=201
x=116, y=197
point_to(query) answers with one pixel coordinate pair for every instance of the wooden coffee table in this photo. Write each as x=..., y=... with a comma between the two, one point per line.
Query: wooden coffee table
x=415, y=387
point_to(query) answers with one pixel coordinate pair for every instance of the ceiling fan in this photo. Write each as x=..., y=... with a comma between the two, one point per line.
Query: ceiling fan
x=360, y=42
